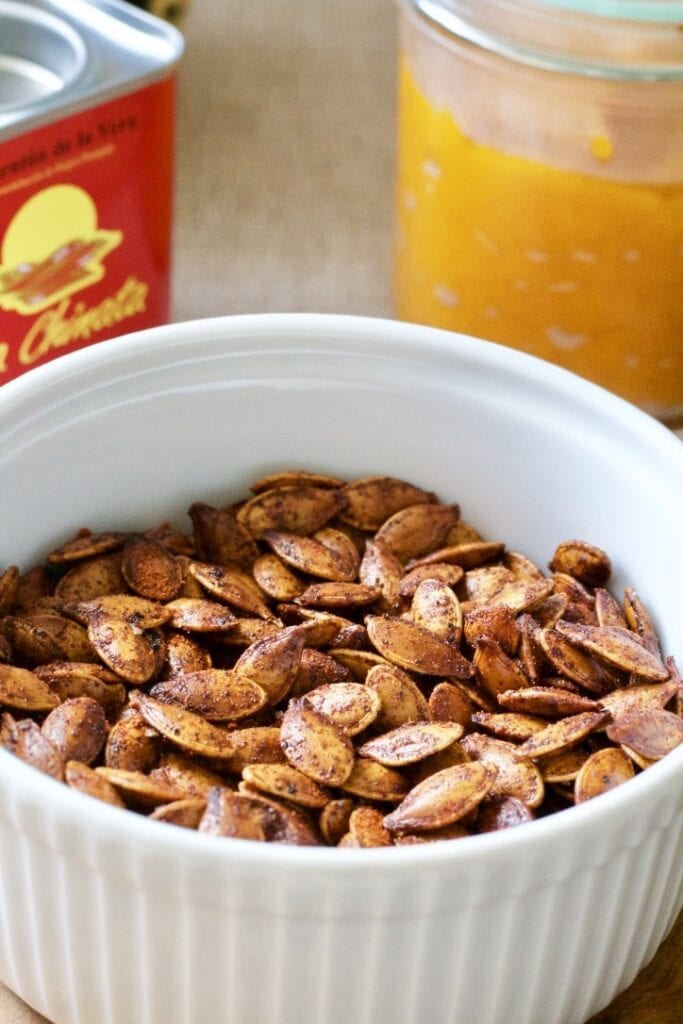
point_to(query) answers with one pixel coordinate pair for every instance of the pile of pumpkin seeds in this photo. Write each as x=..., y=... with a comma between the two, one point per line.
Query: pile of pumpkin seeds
x=331, y=663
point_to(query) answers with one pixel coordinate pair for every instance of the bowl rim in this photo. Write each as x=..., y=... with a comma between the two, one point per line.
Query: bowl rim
x=281, y=329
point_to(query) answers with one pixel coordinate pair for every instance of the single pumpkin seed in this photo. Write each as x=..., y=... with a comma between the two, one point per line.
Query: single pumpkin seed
x=638, y=619
x=286, y=782
x=81, y=683
x=273, y=662
x=197, y=615
x=572, y=662
x=522, y=567
x=607, y=609
x=480, y=586
x=437, y=835
x=338, y=595
x=358, y=663
x=639, y=697
x=580, y=600
x=562, y=734
x=91, y=577
x=140, y=612
x=521, y=596
x=77, y=728
x=34, y=586
x=416, y=649
x=471, y=555
x=150, y=570
x=509, y=725
x=416, y=530
x=275, y=578
x=351, y=706
x=137, y=788
x=298, y=508
x=84, y=545
x=25, y=690
x=184, y=654
x=218, y=695
x=447, y=703
x=600, y=772
x=495, y=670
x=315, y=745
x=309, y=556
x=184, y=728
x=371, y=780
x=334, y=819
x=495, y=623
x=367, y=828
x=651, y=732
x=171, y=540
x=258, y=744
x=186, y=775
x=450, y=574
x=370, y=501
x=381, y=568
x=317, y=669
x=294, y=478
x=85, y=779
x=26, y=741
x=401, y=700
x=584, y=562
x=285, y=823
x=410, y=743
x=186, y=813
x=564, y=766
x=122, y=649
x=436, y=608
x=548, y=701
x=43, y=637
x=340, y=544
x=232, y=586
x=443, y=798
x=132, y=744
x=502, y=812
x=220, y=539
x=616, y=646
x=9, y=588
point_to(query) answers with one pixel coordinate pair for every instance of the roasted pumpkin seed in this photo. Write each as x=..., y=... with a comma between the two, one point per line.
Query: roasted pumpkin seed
x=443, y=798
x=315, y=745
x=600, y=772
x=416, y=649
x=372, y=500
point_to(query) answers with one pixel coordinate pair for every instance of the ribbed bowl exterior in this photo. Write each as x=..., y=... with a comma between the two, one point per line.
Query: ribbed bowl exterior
x=108, y=918
x=102, y=925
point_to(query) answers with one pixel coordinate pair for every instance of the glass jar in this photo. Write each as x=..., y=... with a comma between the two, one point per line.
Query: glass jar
x=540, y=183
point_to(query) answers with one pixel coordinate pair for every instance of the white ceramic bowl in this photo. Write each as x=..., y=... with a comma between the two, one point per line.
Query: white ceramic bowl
x=107, y=918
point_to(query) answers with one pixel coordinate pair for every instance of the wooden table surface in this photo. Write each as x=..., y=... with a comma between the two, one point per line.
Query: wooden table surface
x=284, y=202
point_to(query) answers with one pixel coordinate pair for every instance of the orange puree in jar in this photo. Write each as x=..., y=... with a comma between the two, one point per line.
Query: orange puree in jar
x=576, y=268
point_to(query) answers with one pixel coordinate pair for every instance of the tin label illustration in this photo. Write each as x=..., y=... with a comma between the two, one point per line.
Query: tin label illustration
x=42, y=260
x=85, y=217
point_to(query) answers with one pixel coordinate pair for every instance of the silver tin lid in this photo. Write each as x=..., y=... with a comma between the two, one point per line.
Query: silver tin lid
x=59, y=56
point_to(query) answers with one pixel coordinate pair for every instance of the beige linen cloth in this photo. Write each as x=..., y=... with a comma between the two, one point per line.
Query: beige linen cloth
x=285, y=166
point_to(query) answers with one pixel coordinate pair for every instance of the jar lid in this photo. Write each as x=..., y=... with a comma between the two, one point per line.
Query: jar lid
x=618, y=39
x=625, y=10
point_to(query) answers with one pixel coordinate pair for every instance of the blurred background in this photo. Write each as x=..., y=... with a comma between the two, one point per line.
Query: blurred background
x=285, y=157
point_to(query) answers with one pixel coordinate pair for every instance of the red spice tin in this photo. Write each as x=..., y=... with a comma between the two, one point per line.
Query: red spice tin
x=87, y=118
